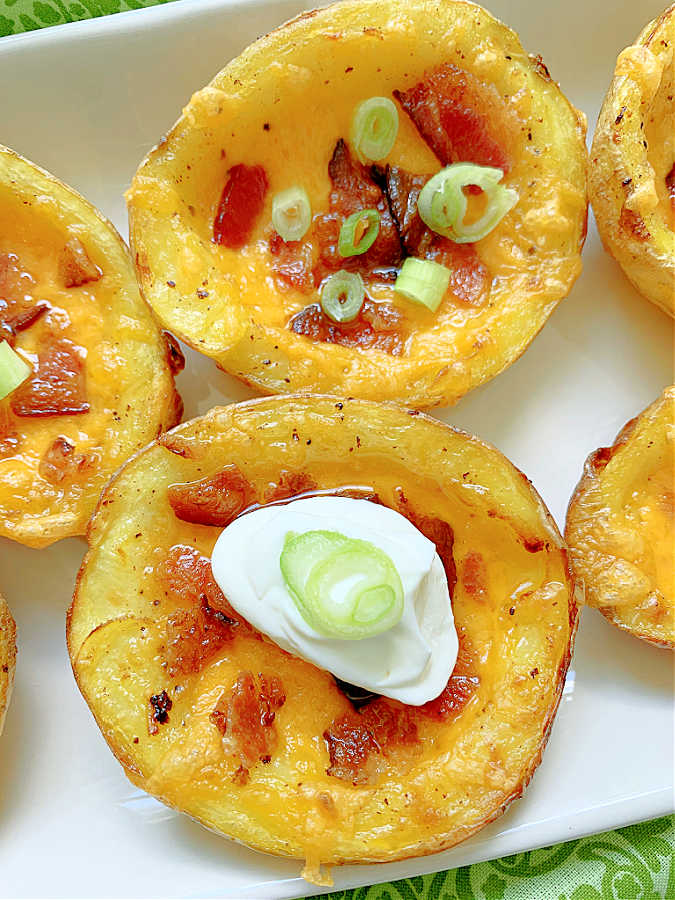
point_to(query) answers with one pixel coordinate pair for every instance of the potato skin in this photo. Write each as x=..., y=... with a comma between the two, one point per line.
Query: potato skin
x=619, y=526
x=7, y=658
x=527, y=639
x=533, y=255
x=128, y=370
x=633, y=152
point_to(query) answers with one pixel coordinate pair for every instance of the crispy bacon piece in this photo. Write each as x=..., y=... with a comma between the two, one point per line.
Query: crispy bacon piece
x=245, y=717
x=360, y=742
x=292, y=264
x=18, y=308
x=474, y=576
x=186, y=576
x=75, y=266
x=462, y=685
x=215, y=500
x=354, y=189
x=240, y=205
x=461, y=118
x=57, y=388
x=61, y=463
x=437, y=530
x=377, y=326
x=289, y=484
x=470, y=279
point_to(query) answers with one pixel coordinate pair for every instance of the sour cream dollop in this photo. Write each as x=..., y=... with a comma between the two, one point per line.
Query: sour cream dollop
x=411, y=661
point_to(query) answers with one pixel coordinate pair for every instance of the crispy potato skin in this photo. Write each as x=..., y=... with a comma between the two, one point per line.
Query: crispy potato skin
x=128, y=377
x=466, y=772
x=262, y=110
x=632, y=154
x=7, y=658
x=620, y=526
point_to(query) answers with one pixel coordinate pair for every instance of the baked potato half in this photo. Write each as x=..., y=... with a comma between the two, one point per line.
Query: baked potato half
x=7, y=658
x=163, y=661
x=632, y=172
x=100, y=378
x=219, y=274
x=620, y=526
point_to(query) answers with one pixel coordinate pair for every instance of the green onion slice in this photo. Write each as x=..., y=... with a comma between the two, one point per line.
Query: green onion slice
x=442, y=203
x=423, y=281
x=13, y=370
x=358, y=232
x=343, y=587
x=374, y=129
x=291, y=213
x=342, y=296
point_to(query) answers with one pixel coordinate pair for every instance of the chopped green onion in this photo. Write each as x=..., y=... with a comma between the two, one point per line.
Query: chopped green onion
x=291, y=213
x=374, y=129
x=13, y=370
x=353, y=239
x=442, y=203
x=343, y=587
x=342, y=296
x=423, y=281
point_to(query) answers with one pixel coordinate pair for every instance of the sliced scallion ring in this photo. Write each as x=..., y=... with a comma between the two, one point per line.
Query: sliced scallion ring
x=374, y=129
x=342, y=296
x=13, y=370
x=343, y=587
x=291, y=213
x=358, y=232
x=442, y=204
x=423, y=281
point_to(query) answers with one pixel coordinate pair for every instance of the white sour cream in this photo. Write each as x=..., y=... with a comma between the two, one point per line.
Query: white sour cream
x=410, y=662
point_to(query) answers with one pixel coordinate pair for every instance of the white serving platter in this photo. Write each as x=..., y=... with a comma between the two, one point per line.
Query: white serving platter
x=86, y=101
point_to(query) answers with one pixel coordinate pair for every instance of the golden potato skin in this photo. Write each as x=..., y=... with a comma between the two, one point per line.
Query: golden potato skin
x=521, y=622
x=283, y=104
x=7, y=658
x=620, y=526
x=128, y=377
x=632, y=155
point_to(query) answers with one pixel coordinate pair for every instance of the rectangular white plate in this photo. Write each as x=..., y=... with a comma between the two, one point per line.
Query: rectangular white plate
x=86, y=101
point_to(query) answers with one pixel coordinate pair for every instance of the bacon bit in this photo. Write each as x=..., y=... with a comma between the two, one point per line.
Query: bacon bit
x=174, y=354
x=631, y=222
x=245, y=717
x=469, y=280
x=357, y=741
x=215, y=500
x=376, y=327
x=670, y=186
x=474, y=576
x=9, y=437
x=18, y=309
x=461, y=118
x=440, y=532
x=60, y=462
x=353, y=189
x=160, y=704
x=57, y=388
x=75, y=266
x=289, y=484
x=187, y=577
x=193, y=636
x=240, y=205
x=462, y=685
x=292, y=264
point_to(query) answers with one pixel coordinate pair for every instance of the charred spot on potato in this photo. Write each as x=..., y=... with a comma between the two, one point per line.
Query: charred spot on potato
x=75, y=266
x=670, y=186
x=216, y=500
x=175, y=356
x=160, y=706
x=57, y=387
x=632, y=223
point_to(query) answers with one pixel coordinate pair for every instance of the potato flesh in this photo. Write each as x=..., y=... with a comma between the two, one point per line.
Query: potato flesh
x=128, y=383
x=620, y=527
x=7, y=658
x=521, y=627
x=283, y=104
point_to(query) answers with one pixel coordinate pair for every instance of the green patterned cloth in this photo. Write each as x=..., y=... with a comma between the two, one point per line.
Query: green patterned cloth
x=636, y=863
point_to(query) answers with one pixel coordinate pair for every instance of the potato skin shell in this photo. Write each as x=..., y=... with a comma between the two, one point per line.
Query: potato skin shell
x=578, y=520
x=7, y=658
x=446, y=355
x=243, y=429
x=634, y=216
x=129, y=369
